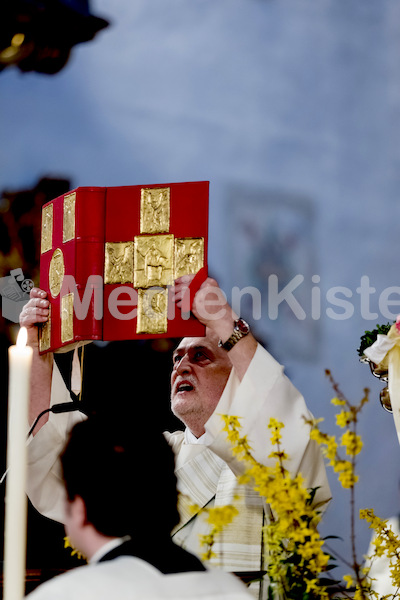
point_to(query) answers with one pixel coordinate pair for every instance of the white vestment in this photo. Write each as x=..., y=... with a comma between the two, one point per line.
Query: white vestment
x=207, y=472
x=131, y=578
x=379, y=568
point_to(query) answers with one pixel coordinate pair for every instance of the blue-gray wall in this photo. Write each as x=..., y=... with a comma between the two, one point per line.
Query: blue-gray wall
x=291, y=109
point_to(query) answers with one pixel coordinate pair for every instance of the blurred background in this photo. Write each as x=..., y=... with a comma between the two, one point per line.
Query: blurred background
x=290, y=108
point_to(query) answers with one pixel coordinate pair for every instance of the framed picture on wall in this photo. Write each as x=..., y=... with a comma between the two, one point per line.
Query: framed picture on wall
x=273, y=262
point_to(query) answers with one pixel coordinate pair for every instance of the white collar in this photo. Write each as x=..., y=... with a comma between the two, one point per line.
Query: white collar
x=107, y=547
x=190, y=438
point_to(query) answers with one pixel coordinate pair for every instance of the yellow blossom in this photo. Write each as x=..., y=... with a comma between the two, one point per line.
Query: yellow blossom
x=344, y=418
x=359, y=594
x=338, y=401
x=275, y=424
x=208, y=555
x=74, y=551
x=347, y=477
x=312, y=584
x=218, y=517
x=293, y=526
x=351, y=442
x=194, y=509
x=349, y=580
x=331, y=447
x=294, y=550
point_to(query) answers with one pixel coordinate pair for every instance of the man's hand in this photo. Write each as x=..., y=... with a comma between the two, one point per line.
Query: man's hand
x=209, y=304
x=35, y=311
x=211, y=308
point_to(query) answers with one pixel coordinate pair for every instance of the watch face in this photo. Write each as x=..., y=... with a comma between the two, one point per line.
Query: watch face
x=242, y=326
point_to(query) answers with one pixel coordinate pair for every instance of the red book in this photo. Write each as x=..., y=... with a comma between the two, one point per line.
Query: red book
x=110, y=255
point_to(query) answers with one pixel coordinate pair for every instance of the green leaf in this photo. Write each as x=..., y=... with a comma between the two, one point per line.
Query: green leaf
x=369, y=337
x=327, y=581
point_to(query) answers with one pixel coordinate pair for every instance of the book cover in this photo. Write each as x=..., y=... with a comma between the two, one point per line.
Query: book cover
x=109, y=257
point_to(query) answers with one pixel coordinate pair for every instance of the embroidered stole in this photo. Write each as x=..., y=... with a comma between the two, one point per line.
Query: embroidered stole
x=205, y=480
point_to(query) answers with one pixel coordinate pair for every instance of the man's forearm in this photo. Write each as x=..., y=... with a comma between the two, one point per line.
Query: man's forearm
x=35, y=313
x=40, y=393
x=243, y=352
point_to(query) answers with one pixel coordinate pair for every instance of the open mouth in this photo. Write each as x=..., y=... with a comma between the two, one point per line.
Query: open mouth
x=184, y=387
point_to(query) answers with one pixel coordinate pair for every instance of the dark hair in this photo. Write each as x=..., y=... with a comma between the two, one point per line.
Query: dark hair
x=125, y=477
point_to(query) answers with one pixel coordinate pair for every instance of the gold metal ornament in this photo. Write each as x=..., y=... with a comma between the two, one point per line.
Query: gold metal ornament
x=56, y=272
x=189, y=256
x=384, y=398
x=382, y=374
x=69, y=217
x=45, y=333
x=154, y=261
x=67, y=318
x=47, y=229
x=118, y=262
x=155, y=210
x=152, y=310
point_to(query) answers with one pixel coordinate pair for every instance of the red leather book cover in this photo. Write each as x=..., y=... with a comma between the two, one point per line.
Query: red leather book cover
x=110, y=255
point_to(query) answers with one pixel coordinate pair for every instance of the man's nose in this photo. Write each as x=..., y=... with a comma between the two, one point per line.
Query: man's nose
x=184, y=364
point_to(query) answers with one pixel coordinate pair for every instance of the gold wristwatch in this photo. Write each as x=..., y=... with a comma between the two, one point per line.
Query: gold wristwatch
x=241, y=329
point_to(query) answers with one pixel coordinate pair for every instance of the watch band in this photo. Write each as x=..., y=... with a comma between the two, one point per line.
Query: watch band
x=240, y=330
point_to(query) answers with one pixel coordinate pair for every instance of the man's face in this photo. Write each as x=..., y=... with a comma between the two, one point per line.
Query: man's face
x=199, y=375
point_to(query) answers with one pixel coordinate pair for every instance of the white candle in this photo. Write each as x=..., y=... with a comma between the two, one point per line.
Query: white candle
x=20, y=360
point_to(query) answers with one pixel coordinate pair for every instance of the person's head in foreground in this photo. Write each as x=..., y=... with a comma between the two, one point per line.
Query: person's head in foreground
x=118, y=480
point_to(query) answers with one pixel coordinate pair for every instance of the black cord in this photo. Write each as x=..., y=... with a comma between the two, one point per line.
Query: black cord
x=63, y=407
x=36, y=421
x=64, y=364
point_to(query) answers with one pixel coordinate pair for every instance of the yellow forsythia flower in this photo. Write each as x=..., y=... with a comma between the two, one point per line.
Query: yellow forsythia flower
x=218, y=517
x=74, y=551
x=349, y=580
x=338, y=401
x=344, y=418
x=351, y=442
x=293, y=526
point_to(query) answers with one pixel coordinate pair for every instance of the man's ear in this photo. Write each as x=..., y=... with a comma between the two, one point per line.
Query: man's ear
x=78, y=511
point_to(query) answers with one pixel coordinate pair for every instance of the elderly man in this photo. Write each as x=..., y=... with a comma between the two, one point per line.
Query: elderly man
x=227, y=372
